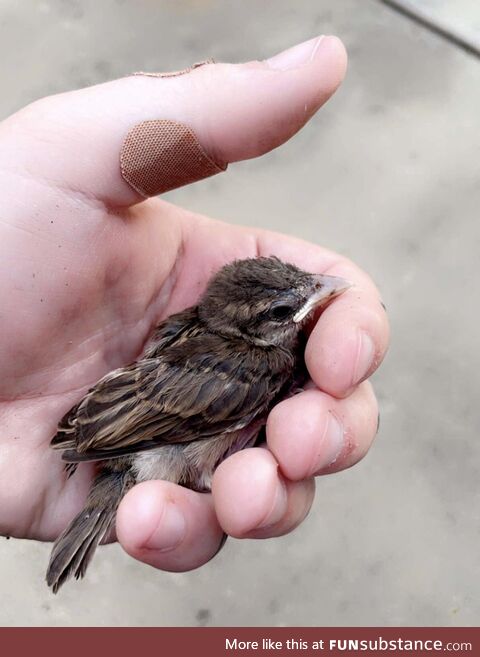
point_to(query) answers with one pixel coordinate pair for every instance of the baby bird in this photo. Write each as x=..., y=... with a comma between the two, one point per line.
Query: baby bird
x=201, y=391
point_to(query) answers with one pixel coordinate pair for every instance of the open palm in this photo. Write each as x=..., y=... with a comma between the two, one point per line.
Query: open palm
x=86, y=272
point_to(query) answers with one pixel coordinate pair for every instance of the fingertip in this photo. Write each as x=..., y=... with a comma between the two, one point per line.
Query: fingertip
x=299, y=497
x=290, y=428
x=253, y=500
x=328, y=50
x=247, y=492
x=348, y=343
x=304, y=434
x=314, y=434
x=167, y=526
x=334, y=61
x=150, y=517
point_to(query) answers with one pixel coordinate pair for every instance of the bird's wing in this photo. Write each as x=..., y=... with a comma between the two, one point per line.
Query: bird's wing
x=177, y=397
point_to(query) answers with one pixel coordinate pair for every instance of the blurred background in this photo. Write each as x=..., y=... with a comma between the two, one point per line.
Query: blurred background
x=388, y=173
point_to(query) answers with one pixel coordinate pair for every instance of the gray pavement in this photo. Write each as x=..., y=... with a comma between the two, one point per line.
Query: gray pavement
x=458, y=21
x=388, y=174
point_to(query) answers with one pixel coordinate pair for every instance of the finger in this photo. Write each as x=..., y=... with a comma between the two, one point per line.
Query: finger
x=235, y=112
x=350, y=338
x=252, y=500
x=168, y=527
x=314, y=433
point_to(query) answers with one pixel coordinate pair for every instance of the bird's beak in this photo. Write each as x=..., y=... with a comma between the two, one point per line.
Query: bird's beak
x=326, y=289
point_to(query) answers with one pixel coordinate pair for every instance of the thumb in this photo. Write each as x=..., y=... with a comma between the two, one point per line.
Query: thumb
x=144, y=134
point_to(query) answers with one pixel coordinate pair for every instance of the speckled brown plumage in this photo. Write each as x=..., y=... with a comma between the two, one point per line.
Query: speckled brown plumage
x=201, y=391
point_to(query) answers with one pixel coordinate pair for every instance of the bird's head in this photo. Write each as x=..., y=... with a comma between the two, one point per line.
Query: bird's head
x=265, y=300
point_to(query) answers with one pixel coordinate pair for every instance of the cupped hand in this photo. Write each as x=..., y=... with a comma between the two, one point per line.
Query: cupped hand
x=88, y=268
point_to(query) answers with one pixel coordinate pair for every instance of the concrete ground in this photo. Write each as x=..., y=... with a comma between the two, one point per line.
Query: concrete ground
x=388, y=173
x=458, y=21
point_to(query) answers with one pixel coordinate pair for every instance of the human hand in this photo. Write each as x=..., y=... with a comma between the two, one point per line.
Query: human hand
x=87, y=271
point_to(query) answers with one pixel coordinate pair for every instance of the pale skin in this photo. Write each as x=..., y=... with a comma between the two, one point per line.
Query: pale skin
x=87, y=270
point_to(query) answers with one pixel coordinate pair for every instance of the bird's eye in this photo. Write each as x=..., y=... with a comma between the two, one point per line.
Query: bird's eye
x=281, y=312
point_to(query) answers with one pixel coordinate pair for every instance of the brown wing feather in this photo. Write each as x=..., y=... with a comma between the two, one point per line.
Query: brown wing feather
x=194, y=388
x=117, y=386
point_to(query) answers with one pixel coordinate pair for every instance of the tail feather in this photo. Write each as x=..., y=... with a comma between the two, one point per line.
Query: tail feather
x=75, y=547
x=87, y=557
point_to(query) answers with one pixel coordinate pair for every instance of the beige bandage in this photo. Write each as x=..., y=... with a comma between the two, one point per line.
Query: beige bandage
x=161, y=155
x=173, y=74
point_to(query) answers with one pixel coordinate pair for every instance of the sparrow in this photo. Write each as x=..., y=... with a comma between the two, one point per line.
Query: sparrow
x=201, y=391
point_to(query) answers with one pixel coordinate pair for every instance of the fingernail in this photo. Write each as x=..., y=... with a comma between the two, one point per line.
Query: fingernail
x=365, y=355
x=297, y=56
x=170, y=531
x=331, y=445
x=279, y=507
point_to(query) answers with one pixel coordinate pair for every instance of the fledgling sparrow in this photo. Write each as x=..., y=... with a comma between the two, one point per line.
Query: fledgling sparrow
x=201, y=391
